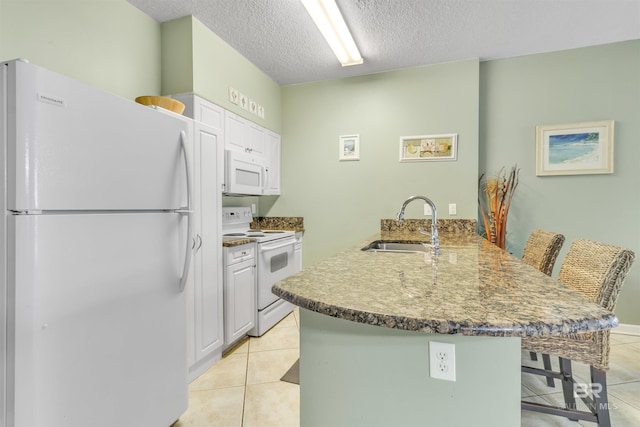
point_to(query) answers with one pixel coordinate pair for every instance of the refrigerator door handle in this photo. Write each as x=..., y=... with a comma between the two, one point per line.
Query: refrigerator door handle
x=186, y=211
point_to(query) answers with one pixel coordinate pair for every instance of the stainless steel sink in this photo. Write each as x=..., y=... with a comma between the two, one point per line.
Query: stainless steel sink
x=404, y=247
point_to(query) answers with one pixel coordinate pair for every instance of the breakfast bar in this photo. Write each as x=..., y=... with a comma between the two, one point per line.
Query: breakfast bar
x=367, y=320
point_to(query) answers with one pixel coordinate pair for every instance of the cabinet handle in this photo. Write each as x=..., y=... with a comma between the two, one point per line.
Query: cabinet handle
x=199, y=242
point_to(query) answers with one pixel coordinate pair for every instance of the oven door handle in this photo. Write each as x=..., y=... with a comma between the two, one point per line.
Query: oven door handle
x=265, y=248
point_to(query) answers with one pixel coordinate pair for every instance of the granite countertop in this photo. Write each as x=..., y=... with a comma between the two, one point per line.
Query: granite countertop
x=228, y=242
x=472, y=287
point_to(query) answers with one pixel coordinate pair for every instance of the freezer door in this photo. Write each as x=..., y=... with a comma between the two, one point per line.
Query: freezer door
x=97, y=327
x=71, y=146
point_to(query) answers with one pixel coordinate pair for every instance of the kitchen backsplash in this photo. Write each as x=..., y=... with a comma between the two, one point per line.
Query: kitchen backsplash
x=293, y=223
x=444, y=225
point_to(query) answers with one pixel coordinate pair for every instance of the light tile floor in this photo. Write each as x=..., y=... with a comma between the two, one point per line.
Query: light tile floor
x=244, y=388
x=623, y=383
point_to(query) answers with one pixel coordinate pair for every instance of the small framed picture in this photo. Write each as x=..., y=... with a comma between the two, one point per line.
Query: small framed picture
x=575, y=148
x=349, y=147
x=429, y=147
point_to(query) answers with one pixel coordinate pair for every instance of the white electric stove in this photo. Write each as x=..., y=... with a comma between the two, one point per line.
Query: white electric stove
x=275, y=261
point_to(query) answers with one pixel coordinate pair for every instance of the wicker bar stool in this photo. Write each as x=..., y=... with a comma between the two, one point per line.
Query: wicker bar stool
x=541, y=251
x=597, y=270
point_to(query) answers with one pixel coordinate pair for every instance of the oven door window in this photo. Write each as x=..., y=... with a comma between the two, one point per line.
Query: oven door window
x=278, y=262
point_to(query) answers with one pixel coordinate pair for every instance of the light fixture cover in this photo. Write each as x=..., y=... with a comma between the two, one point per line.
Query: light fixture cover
x=329, y=20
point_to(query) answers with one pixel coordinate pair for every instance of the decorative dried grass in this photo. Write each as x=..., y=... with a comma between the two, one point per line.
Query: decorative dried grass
x=494, y=199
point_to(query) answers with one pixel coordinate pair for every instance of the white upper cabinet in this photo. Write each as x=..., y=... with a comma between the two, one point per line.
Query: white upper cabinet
x=272, y=169
x=202, y=110
x=237, y=132
x=256, y=140
x=244, y=136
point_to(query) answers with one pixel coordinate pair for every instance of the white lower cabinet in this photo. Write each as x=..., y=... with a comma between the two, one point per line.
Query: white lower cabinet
x=205, y=329
x=240, y=306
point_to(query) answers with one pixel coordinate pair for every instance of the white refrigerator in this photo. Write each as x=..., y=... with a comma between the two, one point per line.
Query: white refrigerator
x=94, y=256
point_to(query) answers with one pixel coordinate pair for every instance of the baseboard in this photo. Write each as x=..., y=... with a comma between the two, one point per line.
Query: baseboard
x=627, y=329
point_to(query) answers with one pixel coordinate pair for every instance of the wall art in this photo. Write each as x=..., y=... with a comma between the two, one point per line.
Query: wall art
x=575, y=148
x=428, y=147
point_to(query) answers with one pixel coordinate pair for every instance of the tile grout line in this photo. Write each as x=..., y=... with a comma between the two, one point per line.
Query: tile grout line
x=244, y=389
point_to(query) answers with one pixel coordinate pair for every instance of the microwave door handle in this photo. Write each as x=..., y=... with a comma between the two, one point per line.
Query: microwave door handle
x=265, y=248
x=188, y=212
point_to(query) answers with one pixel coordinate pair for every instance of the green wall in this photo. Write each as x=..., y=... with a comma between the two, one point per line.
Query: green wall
x=494, y=107
x=107, y=43
x=342, y=202
x=595, y=83
x=194, y=59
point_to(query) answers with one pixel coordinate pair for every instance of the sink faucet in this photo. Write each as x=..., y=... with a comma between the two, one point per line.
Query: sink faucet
x=435, y=241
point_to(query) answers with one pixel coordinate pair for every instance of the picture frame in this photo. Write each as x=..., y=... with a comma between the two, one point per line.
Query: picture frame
x=419, y=148
x=575, y=148
x=349, y=146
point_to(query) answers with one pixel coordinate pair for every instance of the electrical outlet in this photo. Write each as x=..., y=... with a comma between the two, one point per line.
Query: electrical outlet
x=442, y=360
x=452, y=209
x=427, y=209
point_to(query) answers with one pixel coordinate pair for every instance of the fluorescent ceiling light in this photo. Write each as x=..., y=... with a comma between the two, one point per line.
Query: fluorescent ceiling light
x=329, y=20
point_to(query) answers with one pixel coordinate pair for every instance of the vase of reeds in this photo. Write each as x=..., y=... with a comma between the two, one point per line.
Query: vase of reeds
x=494, y=199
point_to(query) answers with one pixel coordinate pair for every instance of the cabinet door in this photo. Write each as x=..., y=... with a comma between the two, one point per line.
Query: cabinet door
x=240, y=300
x=273, y=163
x=256, y=140
x=208, y=113
x=236, y=132
x=201, y=110
x=208, y=245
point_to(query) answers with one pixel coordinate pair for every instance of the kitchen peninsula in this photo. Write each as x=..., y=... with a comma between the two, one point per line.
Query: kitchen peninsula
x=367, y=319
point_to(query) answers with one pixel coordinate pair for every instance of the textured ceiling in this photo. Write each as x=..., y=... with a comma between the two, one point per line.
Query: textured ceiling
x=280, y=38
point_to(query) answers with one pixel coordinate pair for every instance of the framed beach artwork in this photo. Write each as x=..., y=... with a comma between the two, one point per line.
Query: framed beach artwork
x=428, y=147
x=575, y=148
x=349, y=147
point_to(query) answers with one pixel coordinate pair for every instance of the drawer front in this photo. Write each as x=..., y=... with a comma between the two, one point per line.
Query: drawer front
x=240, y=253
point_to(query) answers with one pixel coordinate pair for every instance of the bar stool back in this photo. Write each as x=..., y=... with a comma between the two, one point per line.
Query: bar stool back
x=541, y=251
x=597, y=270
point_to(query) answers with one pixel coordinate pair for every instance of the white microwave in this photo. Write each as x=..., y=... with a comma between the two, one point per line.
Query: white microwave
x=244, y=173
